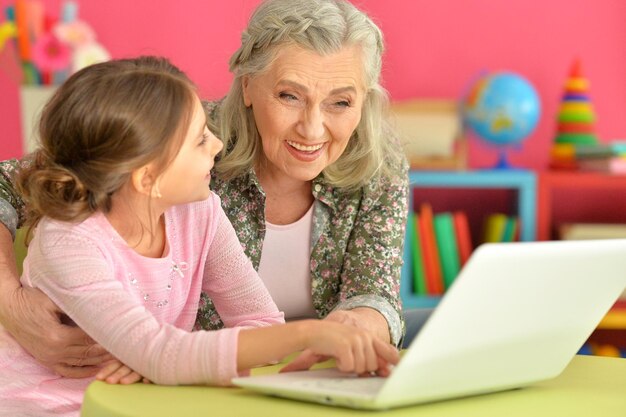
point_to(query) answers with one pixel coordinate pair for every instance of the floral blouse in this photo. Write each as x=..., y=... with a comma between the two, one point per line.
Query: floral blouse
x=357, y=240
x=11, y=205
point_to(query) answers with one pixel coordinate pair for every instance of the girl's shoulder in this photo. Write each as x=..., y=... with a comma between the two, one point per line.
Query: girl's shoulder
x=93, y=228
x=199, y=219
x=93, y=235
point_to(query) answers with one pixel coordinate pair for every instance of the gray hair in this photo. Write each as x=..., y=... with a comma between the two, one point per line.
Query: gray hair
x=325, y=27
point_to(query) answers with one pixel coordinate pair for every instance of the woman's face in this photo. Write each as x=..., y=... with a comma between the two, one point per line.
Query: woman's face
x=306, y=107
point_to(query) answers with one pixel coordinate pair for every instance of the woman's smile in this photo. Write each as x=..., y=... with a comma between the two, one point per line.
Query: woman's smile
x=305, y=153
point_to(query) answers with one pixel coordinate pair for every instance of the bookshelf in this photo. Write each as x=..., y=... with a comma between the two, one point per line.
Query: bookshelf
x=574, y=197
x=522, y=183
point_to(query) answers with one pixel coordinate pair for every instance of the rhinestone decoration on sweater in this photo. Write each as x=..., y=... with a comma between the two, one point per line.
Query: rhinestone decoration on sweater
x=175, y=269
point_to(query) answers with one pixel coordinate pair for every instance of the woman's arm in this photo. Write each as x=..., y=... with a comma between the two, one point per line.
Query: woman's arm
x=34, y=321
x=366, y=318
x=9, y=280
x=11, y=203
x=31, y=318
x=370, y=282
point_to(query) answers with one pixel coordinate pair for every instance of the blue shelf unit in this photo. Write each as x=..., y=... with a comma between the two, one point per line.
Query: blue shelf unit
x=523, y=182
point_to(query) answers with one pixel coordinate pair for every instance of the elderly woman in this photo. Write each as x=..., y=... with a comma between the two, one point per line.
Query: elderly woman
x=311, y=177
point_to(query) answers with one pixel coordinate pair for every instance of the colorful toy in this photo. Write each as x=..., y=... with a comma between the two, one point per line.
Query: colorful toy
x=575, y=121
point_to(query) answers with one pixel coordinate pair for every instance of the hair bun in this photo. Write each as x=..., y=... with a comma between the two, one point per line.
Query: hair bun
x=55, y=190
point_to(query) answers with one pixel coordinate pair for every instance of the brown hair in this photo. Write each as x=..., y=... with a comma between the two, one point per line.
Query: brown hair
x=103, y=122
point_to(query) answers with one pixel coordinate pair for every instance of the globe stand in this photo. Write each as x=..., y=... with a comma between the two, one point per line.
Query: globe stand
x=502, y=150
x=503, y=162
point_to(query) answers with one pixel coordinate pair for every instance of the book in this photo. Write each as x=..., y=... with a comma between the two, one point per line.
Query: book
x=434, y=279
x=463, y=236
x=448, y=250
x=494, y=227
x=584, y=231
x=430, y=133
x=417, y=263
x=509, y=234
x=614, y=164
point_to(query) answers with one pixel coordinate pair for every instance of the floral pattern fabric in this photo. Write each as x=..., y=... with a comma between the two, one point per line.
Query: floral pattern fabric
x=11, y=205
x=357, y=239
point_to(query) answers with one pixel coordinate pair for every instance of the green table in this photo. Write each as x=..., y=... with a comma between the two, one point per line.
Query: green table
x=590, y=386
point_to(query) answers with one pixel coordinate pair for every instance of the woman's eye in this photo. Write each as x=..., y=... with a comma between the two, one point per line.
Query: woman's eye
x=287, y=96
x=204, y=139
x=338, y=105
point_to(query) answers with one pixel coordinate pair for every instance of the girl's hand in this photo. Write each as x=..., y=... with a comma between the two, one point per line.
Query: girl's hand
x=353, y=349
x=304, y=361
x=307, y=359
x=115, y=372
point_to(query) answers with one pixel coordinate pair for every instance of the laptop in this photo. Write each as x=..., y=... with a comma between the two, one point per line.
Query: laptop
x=516, y=314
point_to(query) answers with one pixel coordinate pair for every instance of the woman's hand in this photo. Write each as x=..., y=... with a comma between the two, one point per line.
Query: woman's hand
x=35, y=322
x=363, y=318
x=353, y=349
x=115, y=372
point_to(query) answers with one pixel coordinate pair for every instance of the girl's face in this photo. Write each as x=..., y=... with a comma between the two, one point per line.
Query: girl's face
x=306, y=107
x=187, y=178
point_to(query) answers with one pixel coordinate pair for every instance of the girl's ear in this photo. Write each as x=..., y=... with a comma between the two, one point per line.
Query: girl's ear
x=144, y=181
x=245, y=85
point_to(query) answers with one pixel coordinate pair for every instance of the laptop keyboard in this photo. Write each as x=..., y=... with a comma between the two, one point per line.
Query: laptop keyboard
x=369, y=386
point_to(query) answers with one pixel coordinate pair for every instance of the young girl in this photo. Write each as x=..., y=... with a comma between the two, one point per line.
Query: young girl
x=128, y=234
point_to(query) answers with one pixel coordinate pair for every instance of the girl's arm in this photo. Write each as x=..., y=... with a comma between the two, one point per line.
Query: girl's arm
x=69, y=264
x=239, y=295
x=354, y=350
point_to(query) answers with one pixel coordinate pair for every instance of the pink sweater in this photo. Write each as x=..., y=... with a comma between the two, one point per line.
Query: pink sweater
x=140, y=309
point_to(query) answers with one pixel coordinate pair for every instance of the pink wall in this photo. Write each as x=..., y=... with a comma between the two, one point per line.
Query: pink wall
x=433, y=49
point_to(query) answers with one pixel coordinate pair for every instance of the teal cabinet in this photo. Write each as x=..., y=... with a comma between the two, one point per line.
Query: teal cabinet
x=523, y=184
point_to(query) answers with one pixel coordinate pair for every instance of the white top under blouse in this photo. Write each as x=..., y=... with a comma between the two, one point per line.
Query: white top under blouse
x=285, y=266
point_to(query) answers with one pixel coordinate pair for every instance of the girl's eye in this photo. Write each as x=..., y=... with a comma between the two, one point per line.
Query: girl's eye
x=204, y=140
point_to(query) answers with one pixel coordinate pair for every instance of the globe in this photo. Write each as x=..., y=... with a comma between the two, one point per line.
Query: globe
x=503, y=109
